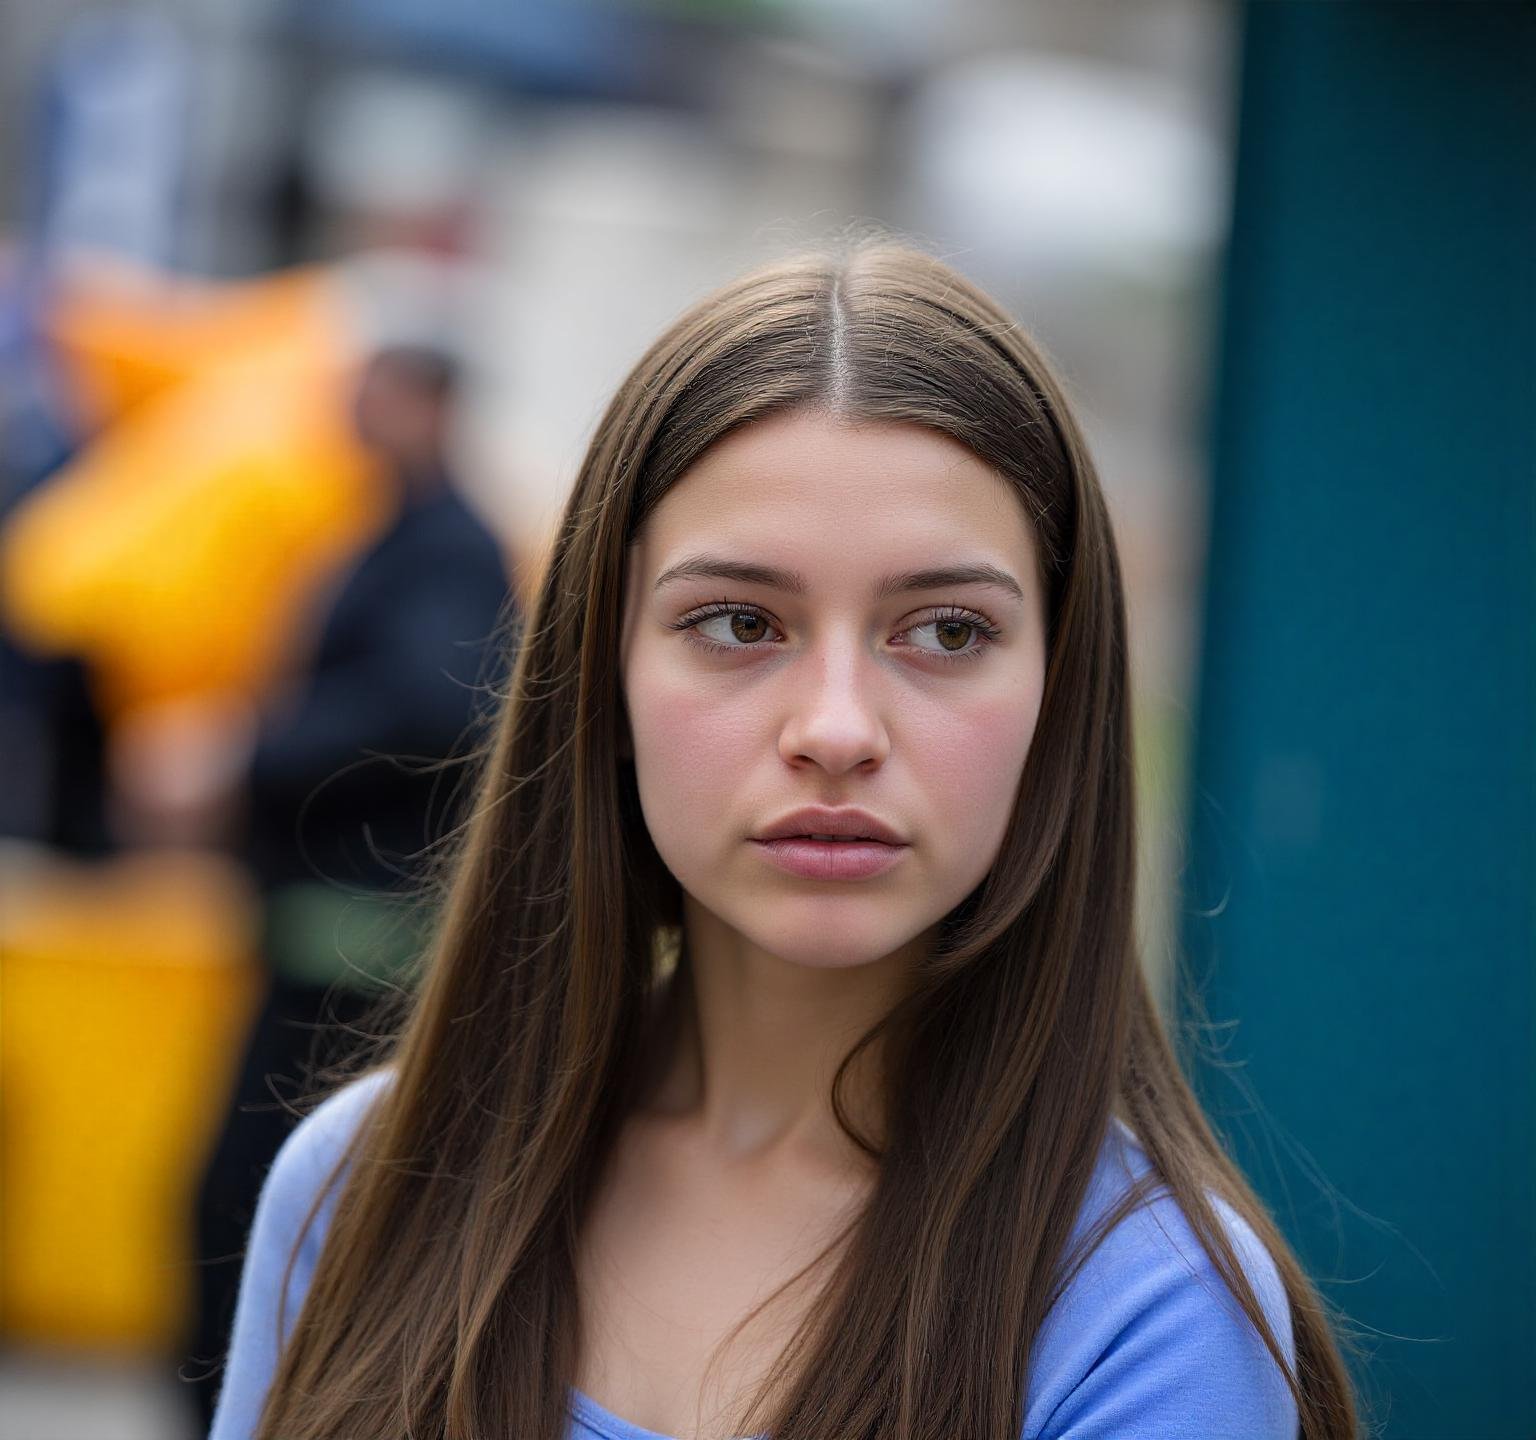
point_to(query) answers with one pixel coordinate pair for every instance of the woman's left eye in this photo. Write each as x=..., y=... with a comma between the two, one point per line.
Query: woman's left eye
x=967, y=625
x=743, y=628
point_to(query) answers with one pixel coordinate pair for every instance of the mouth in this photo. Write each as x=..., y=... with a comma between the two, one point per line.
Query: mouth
x=830, y=857
x=839, y=825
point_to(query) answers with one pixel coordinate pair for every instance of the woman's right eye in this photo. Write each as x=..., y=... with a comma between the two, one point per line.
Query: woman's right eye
x=728, y=627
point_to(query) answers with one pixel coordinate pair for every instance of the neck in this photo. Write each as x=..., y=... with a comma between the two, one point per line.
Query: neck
x=759, y=1039
x=421, y=477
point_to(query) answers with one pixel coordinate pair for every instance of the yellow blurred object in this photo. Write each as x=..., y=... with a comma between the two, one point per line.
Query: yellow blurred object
x=126, y=990
x=178, y=553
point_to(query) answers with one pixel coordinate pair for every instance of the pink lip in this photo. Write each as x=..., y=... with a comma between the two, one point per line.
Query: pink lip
x=830, y=859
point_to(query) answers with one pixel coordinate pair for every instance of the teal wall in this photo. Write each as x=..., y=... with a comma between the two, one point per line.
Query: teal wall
x=1360, y=892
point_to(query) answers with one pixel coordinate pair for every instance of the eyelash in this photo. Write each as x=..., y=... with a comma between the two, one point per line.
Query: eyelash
x=690, y=622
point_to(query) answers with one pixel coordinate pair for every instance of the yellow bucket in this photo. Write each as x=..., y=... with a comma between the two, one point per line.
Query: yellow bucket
x=126, y=990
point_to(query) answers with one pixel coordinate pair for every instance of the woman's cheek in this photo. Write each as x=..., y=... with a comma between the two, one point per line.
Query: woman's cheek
x=972, y=760
x=685, y=762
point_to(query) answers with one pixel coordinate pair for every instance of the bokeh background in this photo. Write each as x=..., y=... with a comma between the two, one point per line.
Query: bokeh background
x=1284, y=254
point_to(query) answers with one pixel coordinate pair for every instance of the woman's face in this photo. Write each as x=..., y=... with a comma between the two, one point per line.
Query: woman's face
x=834, y=683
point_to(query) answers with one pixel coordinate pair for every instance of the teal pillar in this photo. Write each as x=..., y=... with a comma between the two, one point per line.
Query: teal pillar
x=1363, y=808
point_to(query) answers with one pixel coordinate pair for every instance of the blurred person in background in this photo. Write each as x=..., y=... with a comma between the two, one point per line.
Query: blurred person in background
x=330, y=796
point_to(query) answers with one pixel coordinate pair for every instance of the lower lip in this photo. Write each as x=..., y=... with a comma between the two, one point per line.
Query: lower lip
x=831, y=859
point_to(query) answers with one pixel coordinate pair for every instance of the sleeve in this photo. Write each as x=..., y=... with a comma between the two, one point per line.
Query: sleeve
x=300, y=1168
x=1149, y=1341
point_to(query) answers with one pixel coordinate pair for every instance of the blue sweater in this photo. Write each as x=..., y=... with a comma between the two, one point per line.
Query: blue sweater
x=1146, y=1341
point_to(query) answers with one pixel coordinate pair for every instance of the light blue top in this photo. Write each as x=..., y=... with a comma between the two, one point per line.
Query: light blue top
x=1146, y=1341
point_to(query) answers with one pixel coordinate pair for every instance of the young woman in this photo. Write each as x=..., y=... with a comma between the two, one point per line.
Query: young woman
x=783, y=1064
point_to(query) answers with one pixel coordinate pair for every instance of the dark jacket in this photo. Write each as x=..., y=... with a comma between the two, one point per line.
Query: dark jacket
x=400, y=678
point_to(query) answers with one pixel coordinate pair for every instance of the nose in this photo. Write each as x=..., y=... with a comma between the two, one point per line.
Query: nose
x=834, y=718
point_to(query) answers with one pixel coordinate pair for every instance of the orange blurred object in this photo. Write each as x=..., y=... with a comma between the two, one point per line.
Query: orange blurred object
x=126, y=988
x=124, y=334
x=177, y=554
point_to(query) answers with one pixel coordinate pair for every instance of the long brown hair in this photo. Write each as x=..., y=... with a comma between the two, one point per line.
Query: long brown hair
x=443, y=1304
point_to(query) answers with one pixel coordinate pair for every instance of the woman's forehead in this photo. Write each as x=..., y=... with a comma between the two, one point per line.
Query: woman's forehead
x=805, y=496
x=812, y=448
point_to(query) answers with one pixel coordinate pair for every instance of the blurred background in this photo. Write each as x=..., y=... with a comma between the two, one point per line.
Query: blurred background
x=306, y=313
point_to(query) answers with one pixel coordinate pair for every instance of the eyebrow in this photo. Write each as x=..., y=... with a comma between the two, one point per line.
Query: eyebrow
x=937, y=577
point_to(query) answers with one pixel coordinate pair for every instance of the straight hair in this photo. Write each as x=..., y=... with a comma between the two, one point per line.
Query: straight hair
x=443, y=1304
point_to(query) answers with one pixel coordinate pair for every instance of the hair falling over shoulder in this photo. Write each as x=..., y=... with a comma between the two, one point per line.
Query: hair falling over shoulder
x=443, y=1303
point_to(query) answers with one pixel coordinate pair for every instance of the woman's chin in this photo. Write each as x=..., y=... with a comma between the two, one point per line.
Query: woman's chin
x=822, y=947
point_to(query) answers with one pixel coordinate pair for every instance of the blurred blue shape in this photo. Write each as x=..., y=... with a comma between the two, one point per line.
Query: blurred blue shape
x=103, y=165
x=34, y=438
x=538, y=46
x=111, y=137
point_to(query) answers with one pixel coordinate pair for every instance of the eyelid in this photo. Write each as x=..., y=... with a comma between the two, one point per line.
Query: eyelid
x=936, y=613
x=951, y=610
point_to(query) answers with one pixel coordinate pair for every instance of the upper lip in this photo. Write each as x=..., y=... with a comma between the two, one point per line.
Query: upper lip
x=819, y=820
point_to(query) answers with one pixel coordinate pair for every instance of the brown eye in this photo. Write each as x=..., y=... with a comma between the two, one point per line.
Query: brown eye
x=962, y=635
x=958, y=631
x=746, y=626
x=727, y=627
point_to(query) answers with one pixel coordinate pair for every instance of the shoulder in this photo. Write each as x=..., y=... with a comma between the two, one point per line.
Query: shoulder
x=264, y=1315
x=1147, y=1338
x=448, y=523
x=435, y=538
x=315, y=1145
